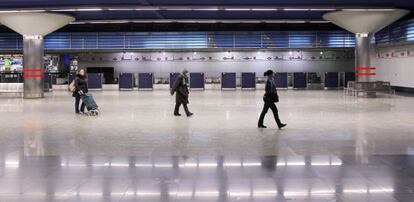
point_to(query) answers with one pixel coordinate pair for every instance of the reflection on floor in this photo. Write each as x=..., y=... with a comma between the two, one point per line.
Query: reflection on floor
x=335, y=148
x=219, y=178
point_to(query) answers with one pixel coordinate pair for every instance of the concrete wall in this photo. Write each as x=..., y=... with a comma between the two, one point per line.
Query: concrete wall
x=395, y=64
x=213, y=63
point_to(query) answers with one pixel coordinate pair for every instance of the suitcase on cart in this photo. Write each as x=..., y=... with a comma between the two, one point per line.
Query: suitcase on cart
x=90, y=104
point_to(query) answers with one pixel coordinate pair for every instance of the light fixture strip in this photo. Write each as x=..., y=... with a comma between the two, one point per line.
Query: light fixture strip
x=196, y=8
x=196, y=21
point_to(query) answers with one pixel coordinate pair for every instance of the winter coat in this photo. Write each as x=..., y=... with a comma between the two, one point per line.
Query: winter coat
x=81, y=85
x=271, y=91
x=180, y=87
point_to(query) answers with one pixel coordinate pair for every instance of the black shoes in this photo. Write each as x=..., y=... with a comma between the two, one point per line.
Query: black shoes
x=188, y=115
x=282, y=125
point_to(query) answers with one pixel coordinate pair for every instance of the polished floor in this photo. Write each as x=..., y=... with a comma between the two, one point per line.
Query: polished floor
x=335, y=148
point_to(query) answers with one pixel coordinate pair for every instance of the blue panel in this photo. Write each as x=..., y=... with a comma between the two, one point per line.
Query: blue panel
x=126, y=81
x=397, y=32
x=281, y=80
x=248, y=80
x=57, y=40
x=248, y=40
x=302, y=39
x=20, y=42
x=161, y=40
x=197, y=80
x=9, y=41
x=276, y=39
x=179, y=40
x=173, y=78
x=94, y=81
x=223, y=40
x=145, y=81
x=228, y=80
x=335, y=39
x=137, y=40
x=299, y=80
x=331, y=79
x=88, y=40
x=349, y=76
x=167, y=40
x=111, y=40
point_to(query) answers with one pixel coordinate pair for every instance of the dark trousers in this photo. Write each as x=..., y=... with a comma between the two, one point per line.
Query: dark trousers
x=266, y=107
x=177, y=108
x=77, y=101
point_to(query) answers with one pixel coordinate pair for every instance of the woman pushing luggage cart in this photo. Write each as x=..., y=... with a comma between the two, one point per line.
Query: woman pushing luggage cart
x=79, y=89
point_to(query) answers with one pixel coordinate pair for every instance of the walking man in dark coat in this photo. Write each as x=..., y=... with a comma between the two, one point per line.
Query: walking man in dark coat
x=270, y=98
x=180, y=87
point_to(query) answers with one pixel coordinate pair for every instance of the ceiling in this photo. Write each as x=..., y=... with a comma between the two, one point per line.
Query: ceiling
x=198, y=11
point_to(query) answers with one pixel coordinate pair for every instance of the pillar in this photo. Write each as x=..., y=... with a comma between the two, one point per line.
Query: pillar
x=364, y=72
x=33, y=66
x=34, y=26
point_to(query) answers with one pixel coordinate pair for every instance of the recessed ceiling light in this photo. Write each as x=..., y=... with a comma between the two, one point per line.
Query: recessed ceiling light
x=295, y=21
x=369, y=9
x=178, y=9
x=237, y=9
x=206, y=9
x=98, y=22
x=77, y=23
x=322, y=9
x=319, y=21
x=31, y=11
x=13, y=11
x=89, y=9
x=121, y=9
x=22, y=11
x=296, y=9
x=63, y=10
x=264, y=9
x=147, y=9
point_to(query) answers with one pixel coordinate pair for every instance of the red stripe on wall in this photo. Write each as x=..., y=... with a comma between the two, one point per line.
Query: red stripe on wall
x=365, y=74
x=33, y=76
x=32, y=70
x=365, y=68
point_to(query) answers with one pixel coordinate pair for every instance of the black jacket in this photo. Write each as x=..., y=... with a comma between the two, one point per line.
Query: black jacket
x=271, y=91
x=181, y=88
x=81, y=85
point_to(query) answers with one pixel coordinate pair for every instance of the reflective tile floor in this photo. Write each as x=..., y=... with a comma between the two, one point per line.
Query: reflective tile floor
x=335, y=148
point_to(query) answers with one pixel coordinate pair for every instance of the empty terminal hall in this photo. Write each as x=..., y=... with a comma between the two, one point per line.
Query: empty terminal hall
x=206, y=101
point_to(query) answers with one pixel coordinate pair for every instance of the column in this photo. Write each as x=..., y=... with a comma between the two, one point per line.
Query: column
x=33, y=66
x=364, y=72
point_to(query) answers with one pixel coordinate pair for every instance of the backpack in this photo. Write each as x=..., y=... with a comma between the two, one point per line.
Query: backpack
x=72, y=86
